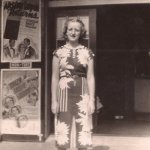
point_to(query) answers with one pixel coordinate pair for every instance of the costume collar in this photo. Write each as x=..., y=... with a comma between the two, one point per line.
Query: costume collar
x=74, y=48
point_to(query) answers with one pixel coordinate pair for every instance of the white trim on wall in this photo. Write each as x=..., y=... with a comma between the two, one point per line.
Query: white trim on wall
x=66, y=3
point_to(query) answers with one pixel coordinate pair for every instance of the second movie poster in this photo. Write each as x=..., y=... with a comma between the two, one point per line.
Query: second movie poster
x=20, y=105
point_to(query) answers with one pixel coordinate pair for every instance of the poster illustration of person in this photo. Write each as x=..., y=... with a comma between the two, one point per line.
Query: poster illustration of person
x=20, y=31
x=20, y=94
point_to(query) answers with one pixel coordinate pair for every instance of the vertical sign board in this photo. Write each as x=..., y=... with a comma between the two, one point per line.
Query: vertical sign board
x=21, y=31
x=20, y=101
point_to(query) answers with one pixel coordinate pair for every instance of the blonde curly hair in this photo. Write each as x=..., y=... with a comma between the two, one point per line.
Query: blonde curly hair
x=77, y=19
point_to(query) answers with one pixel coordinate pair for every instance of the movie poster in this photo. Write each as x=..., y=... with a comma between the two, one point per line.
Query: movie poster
x=60, y=28
x=21, y=31
x=20, y=101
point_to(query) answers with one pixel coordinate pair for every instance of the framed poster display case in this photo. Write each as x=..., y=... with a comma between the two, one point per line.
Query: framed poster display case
x=20, y=101
x=21, y=31
x=22, y=38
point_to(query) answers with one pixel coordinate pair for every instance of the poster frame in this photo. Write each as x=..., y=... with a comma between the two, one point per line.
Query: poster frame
x=35, y=45
x=38, y=133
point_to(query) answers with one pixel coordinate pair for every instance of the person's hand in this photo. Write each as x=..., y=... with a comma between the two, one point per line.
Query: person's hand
x=91, y=107
x=54, y=107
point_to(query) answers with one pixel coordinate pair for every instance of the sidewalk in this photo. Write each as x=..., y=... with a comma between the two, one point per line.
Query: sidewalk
x=100, y=143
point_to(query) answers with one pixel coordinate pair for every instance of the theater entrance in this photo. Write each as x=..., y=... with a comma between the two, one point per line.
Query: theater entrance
x=117, y=37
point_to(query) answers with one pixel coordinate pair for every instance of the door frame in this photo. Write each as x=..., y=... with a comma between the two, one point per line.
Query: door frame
x=51, y=40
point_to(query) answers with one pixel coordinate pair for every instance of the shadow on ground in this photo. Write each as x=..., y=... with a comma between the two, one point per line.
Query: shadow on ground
x=101, y=148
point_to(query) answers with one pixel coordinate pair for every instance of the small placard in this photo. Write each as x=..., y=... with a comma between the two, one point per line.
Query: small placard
x=21, y=65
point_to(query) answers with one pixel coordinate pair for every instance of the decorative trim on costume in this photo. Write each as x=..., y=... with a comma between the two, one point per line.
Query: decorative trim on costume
x=63, y=99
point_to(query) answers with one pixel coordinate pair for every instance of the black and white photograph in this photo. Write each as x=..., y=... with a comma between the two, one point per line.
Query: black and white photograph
x=75, y=75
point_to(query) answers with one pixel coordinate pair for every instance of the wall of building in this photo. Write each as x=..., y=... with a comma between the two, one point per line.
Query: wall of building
x=142, y=96
x=67, y=3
